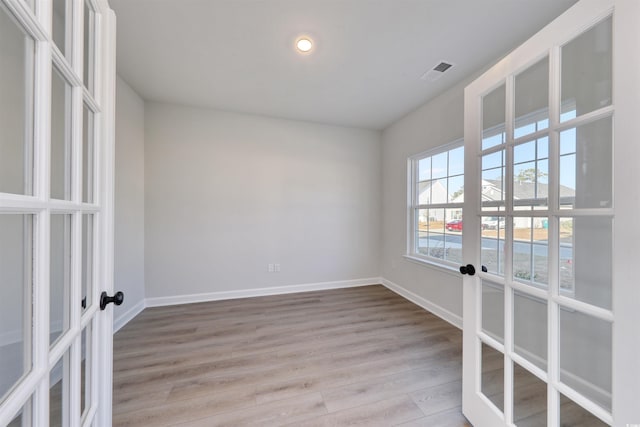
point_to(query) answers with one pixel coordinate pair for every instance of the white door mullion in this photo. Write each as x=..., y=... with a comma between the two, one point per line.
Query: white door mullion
x=508, y=245
x=41, y=189
x=553, y=323
x=105, y=153
x=74, y=378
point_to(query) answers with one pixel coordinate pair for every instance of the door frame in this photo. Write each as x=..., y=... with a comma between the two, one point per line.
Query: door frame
x=626, y=69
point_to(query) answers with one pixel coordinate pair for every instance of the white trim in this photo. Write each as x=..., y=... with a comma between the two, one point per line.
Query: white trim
x=256, y=292
x=128, y=315
x=431, y=307
x=105, y=89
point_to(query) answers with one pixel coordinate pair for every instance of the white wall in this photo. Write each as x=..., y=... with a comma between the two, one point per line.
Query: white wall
x=129, y=201
x=436, y=123
x=226, y=194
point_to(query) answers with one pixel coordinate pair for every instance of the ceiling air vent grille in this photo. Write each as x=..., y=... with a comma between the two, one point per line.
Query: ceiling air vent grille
x=436, y=72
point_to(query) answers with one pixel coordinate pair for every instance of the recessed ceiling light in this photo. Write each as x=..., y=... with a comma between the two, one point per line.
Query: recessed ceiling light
x=304, y=44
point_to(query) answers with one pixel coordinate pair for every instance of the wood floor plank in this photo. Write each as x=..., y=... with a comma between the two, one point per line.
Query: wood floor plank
x=449, y=418
x=287, y=359
x=183, y=410
x=282, y=412
x=383, y=413
x=439, y=398
x=381, y=388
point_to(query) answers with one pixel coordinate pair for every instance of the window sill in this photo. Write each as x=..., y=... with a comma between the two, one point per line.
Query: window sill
x=432, y=264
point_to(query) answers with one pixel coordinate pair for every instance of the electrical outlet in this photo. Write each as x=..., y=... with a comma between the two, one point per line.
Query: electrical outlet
x=276, y=267
x=270, y=268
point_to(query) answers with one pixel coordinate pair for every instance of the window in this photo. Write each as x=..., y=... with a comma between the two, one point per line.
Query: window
x=436, y=197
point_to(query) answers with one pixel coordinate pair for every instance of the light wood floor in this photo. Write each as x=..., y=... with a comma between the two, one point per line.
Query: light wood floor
x=359, y=356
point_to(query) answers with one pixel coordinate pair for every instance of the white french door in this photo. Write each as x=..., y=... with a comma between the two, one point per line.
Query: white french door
x=540, y=316
x=56, y=211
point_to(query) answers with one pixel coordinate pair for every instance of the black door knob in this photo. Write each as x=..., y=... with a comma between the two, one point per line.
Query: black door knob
x=468, y=269
x=117, y=299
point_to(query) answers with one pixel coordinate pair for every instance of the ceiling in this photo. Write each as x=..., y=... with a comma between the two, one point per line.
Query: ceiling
x=365, y=69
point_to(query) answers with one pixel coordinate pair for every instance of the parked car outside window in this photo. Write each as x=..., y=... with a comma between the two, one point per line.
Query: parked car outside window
x=455, y=225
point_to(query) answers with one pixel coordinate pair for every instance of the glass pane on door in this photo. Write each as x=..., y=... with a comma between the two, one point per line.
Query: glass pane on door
x=532, y=99
x=585, y=355
x=60, y=137
x=58, y=389
x=60, y=25
x=531, y=174
x=16, y=99
x=530, y=328
x=493, y=118
x=530, y=250
x=529, y=398
x=85, y=369
x=586, y=171
x=60, y=275
x=586, y=242
x=573, y=415
x=87, y=260
x=586, y=72
x=492, y=379
x=88, y=47
x=16, y=266
x=87, y=155
x=492, y=244
x=493, y=310
x=493, y=174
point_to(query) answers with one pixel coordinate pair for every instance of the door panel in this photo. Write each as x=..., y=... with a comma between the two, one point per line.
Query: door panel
x=55, y=227
x=539, y=146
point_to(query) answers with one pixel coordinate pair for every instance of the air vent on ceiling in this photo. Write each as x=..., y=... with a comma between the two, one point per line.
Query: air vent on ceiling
x=436, y=72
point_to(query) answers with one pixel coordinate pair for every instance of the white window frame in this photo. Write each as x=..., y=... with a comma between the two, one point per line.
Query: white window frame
x=413, y=206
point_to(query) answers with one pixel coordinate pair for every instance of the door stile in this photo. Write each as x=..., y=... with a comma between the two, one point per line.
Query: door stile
x=472, y=344
x=41, y=171
x=73, y=379
x=508, y=258
x=553, y=286
x=106, y=155
x=626, y=340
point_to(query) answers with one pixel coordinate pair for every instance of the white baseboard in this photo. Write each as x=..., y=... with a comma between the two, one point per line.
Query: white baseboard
x=441, y=312
x=248, y=293
x=128, y=315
